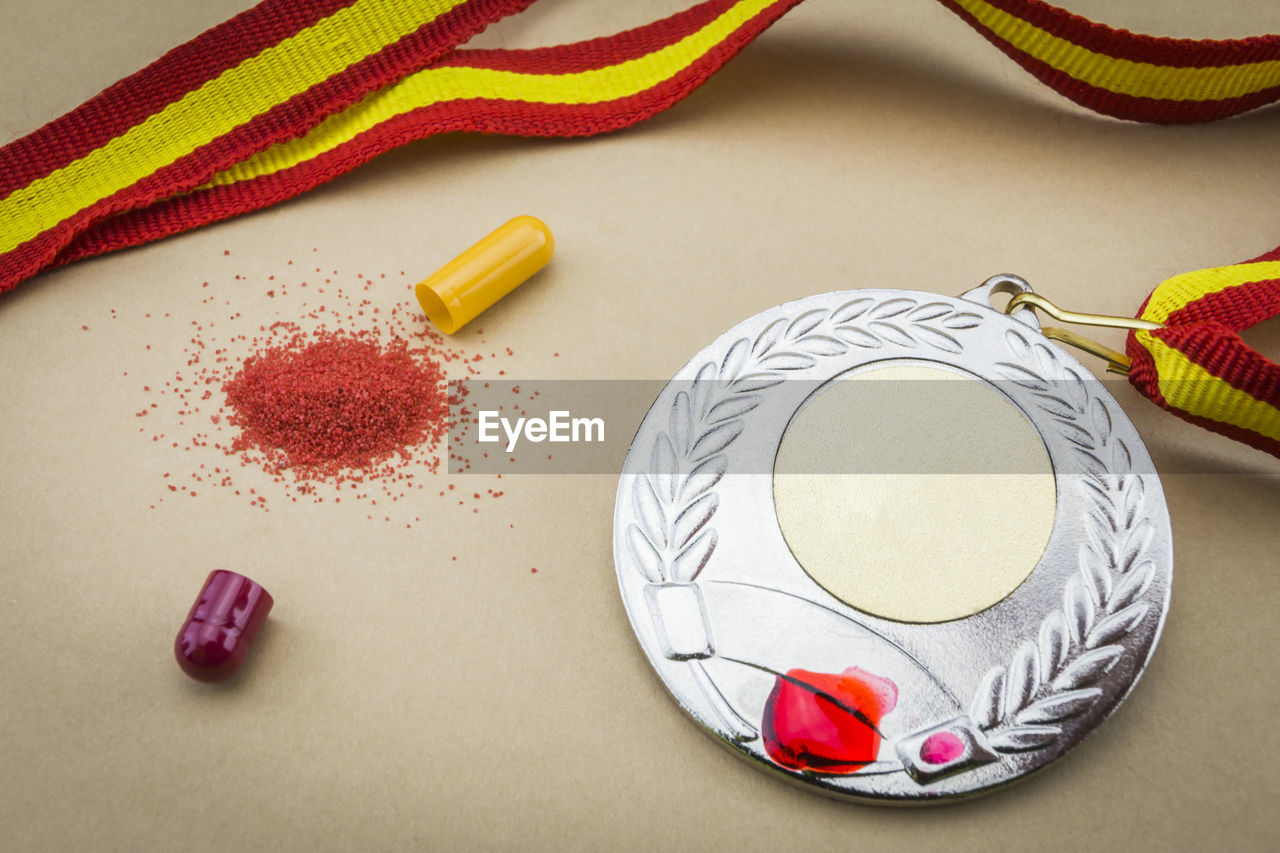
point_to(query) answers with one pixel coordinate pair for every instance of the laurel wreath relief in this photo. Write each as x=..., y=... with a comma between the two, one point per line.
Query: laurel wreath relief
x=676, y=499
x=1020, y=706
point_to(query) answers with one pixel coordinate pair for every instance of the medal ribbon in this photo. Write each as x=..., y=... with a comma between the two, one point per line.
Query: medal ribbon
x=293, y=93
x=1197, y=366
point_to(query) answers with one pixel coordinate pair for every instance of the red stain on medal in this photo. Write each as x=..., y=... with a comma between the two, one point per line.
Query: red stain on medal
x=826, y=722
x=941, y=748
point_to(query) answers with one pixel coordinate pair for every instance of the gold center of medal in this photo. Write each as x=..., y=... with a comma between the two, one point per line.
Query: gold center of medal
x=914, y=491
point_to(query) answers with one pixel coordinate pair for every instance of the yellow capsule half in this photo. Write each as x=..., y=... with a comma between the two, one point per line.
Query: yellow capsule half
x=462, y=289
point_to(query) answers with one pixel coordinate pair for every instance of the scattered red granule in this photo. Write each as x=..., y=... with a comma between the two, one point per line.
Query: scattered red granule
x=193, y=410
x=337, y=400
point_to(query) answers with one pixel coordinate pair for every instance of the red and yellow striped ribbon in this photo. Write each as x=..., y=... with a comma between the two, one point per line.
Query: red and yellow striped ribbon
x=1197, y=366
x=317, y=95
x=295, y=92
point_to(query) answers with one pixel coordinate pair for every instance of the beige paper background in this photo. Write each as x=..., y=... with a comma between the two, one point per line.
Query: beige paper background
x=402, y=700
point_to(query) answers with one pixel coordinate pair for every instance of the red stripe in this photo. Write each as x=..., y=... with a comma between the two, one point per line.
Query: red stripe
x=182, y=213
x=283, y=122
x=1221, y=353
x=184, y=68
x=243, y=35
x=1142, y=375
x=1206, y=331
x=1153, y=110
x=1273, y=255
x=1142, y=369
x=1244, y=436
x=1123, y=44
x=1237, y=308
x=128, y=102
x=598, y=52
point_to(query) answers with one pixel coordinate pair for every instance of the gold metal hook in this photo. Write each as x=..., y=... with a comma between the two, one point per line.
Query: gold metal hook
x=1117, y=362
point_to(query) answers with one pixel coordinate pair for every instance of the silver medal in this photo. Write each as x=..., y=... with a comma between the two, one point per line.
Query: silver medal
x=810, y=688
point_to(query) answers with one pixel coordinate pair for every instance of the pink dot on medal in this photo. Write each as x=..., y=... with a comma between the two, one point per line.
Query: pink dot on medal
x=941, y=748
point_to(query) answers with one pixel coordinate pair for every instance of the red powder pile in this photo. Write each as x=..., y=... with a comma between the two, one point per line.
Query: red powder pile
x=336, y=401
x=332, y=385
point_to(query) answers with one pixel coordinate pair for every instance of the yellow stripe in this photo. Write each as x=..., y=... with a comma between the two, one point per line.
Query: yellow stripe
x=1174, y=293
x=220, y=105
x=326, y=48
x=438, y=85
x=1123, y=76
x=1188, y=386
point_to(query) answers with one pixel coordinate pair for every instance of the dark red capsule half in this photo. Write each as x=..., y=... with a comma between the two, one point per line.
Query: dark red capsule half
x=221, y=627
